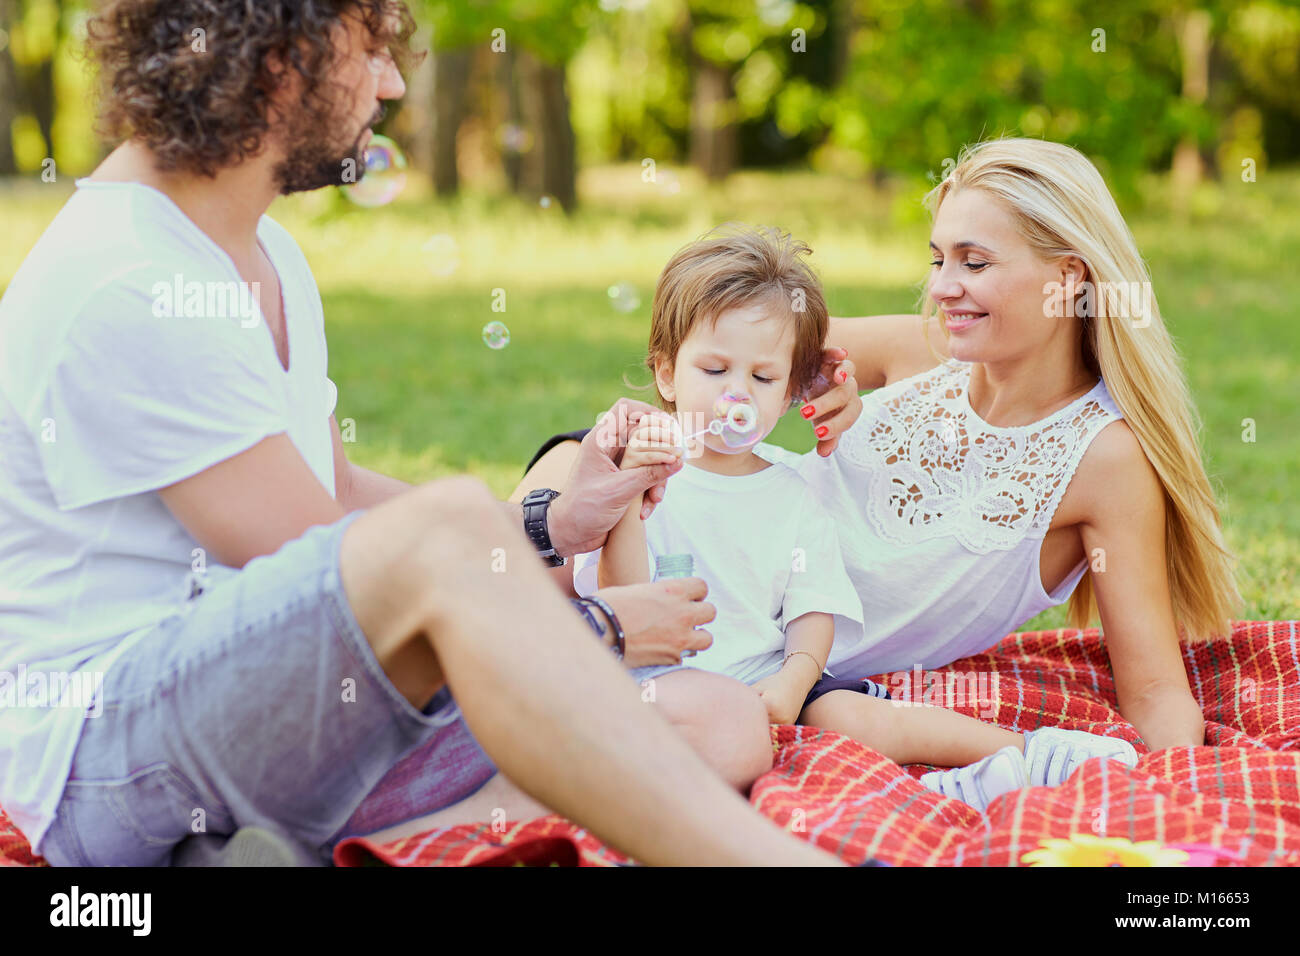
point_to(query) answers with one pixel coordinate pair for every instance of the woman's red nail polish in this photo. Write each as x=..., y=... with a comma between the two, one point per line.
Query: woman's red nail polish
x=807, y=411
x=822, y=431
x=841, y=376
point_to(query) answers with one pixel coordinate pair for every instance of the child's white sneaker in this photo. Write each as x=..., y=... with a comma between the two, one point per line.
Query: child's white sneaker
x=1052, y=754
x=978, y=784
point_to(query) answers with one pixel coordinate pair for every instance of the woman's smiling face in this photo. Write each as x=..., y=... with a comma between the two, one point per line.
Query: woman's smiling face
x=748, y=351
x=989, y=283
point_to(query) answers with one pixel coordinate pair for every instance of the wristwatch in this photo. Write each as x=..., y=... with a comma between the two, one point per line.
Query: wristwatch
x=535, y=505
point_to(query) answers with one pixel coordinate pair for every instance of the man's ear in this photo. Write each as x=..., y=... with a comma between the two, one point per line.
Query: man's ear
x=278, y=85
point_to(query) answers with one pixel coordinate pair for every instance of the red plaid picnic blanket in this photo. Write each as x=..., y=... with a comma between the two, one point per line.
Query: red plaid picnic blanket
x=1236, y=799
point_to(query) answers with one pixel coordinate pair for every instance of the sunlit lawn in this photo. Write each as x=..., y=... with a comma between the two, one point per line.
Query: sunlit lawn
x=404, y=317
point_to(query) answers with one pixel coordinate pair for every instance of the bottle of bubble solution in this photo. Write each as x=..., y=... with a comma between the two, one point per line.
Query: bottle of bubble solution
x=674, y=566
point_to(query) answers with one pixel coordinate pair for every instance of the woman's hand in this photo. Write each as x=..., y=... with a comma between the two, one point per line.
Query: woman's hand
x=597, y=492
x=661, y=619
x=834, y=409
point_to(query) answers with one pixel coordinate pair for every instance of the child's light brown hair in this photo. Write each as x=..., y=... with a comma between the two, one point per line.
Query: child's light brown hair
x=735, y=266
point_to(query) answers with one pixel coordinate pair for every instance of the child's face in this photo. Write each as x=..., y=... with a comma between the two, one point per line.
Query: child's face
x=748, y=351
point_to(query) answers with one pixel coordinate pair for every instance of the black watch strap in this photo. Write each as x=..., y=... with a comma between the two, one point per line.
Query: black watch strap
x=535, y=505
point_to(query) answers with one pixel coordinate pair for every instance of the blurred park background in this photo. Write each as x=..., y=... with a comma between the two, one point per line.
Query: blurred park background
x=559, y=152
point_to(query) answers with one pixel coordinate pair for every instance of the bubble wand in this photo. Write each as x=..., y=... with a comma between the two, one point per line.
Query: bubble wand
x=737, y=428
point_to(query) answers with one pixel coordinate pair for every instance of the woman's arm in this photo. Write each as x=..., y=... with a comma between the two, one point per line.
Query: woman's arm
x=1124, y=527
x=885, y=348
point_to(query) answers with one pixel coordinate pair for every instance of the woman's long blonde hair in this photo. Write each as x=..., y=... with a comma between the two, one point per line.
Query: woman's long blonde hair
x=1062, y=207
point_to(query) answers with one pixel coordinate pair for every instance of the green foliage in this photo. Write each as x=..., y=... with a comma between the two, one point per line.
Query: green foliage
x=1264, y=40
x=929, y=77
x=553, y=30
x=430, y=399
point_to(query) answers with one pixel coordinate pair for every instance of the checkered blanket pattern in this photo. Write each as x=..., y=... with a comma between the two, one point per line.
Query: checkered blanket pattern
x=1240, y=793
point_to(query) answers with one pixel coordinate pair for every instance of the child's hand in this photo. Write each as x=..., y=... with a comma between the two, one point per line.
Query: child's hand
x=652, y=442
x=782, y=697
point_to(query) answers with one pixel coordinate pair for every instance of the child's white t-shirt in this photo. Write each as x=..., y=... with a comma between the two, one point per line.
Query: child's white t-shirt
x=105, y=398
x=769, y=554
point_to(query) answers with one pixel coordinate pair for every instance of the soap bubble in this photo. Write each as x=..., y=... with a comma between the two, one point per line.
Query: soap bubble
x=736, y=423
x=624, y=297
x=726, y=400
x=382, y=176
x=740, y=427
x=819, y=386
x=442, y=254
x=496, y=335
x=514, y=139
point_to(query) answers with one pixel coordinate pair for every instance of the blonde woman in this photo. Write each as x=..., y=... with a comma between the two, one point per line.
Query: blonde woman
x=1030, y=440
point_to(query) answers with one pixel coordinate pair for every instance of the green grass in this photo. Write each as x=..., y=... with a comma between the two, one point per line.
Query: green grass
x=429, y=399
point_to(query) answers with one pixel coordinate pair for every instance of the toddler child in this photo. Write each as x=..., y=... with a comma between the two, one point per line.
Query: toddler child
x=737, y=331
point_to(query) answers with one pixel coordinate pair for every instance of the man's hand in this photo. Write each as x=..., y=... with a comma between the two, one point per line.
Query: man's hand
x=661, y=619
x=836, y=404
x=597, y=492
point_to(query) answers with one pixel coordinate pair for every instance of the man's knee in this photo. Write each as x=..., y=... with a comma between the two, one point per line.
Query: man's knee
x=405, y=560
x=461, y=504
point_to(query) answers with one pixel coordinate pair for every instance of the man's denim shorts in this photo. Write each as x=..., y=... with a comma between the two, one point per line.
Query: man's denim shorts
x=259, y=703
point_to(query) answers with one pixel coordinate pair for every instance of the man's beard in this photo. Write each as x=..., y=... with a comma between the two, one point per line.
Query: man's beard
x=311, y=161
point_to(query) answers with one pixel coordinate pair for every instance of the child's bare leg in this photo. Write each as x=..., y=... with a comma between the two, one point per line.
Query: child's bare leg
x=722, y=719
x=909, y=733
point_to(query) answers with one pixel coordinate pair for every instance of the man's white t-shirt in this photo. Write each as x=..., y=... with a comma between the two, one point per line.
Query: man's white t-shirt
x=769, y=554
x=129, y=360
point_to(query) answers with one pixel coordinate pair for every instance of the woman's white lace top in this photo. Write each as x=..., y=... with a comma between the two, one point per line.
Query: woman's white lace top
x=941, y=516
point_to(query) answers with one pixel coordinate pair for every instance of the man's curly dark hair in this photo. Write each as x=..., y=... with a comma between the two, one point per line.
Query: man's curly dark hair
x=200, y=111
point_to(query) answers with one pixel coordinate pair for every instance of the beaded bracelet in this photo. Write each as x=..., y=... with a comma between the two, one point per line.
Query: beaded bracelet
x=585, y=604
x=590, y=618
x=620, y=643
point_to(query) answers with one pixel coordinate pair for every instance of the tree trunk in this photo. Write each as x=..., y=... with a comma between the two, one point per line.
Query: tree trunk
x=8, y=92
x=416, y=122
x=1194, y=47
x=713, y=119
x=512, y=151
x=450, y=85
x=550, y=168
x=40, y=98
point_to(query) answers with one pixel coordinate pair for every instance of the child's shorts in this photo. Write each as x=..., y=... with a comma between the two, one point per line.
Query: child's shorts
x=824, y=686
x=827, y=683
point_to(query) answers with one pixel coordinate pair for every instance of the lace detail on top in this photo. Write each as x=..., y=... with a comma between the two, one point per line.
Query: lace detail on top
x=937, y=469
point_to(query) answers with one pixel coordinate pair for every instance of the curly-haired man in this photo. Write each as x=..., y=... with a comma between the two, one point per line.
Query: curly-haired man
x=272, y=634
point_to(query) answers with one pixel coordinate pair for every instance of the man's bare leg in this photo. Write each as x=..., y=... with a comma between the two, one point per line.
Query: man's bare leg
x=552, y=708
x=722, y=719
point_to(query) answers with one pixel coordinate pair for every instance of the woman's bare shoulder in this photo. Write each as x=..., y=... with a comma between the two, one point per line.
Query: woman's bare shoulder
x=1114, y=478
x=885, y=348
